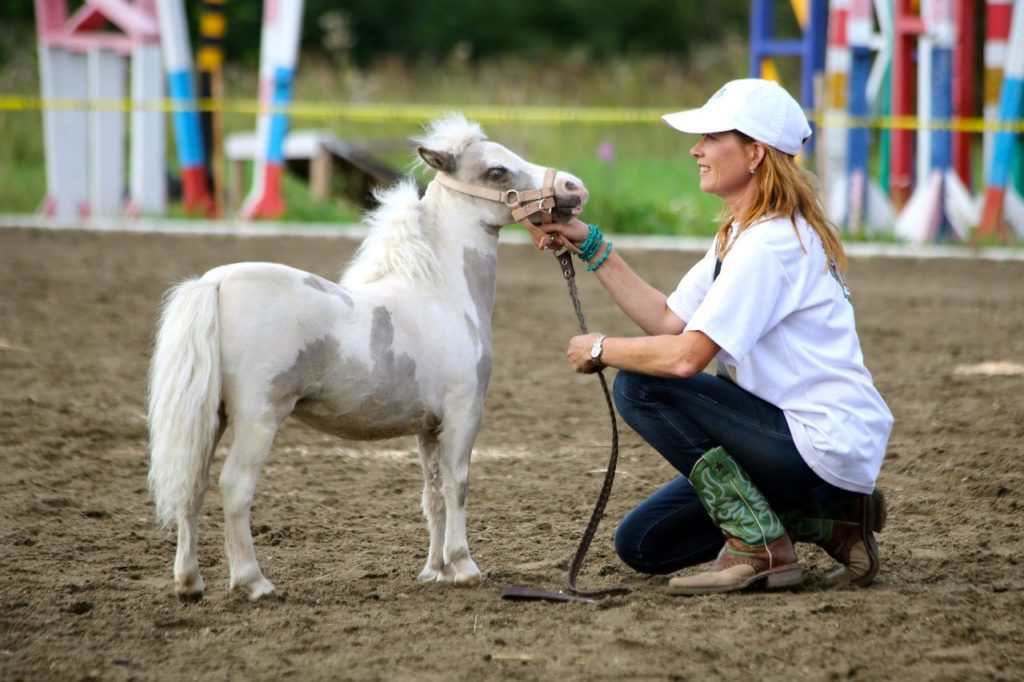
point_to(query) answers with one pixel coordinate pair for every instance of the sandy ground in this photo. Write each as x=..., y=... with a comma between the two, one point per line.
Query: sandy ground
x=85, y=579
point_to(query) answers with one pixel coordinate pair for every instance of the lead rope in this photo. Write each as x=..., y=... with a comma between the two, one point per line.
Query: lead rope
x=564, y=258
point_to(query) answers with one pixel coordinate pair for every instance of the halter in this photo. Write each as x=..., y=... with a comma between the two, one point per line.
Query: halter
x=523, y=204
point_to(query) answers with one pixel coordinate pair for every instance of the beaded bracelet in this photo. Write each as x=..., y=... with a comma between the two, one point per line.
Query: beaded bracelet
x=590, y=246
x=604, y=257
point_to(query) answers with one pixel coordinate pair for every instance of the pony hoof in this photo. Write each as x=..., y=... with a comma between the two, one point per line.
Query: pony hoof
x=442, y=574
x=471, y=580
x=190, y=590
x=190, y=597
x=468, y=575
x=429, y=575
x=263, y=590
x=256, y=589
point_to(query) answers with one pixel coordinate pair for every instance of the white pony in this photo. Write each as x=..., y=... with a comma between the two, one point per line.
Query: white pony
x=401, y=346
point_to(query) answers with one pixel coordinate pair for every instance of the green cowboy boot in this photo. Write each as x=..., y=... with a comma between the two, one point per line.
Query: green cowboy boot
x=757, y=551
x=849, y=538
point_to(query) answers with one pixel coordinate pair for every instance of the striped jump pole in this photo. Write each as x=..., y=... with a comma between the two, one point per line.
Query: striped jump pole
x=998, y=16
x=940, y=208
x=279, y=46
x=1011, y=109
x=858, y=139
x=832, y=151
x=907, y=26
x=812, y=18
x=964, y=75
x=210, y=65
x=188, y=136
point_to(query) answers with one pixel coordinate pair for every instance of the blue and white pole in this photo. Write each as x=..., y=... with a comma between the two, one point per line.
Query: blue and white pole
x=279, y=47
x=1011, y=109
x=177, y=54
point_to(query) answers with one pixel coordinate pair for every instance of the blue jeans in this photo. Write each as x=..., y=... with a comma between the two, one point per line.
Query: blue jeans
x=684, y=418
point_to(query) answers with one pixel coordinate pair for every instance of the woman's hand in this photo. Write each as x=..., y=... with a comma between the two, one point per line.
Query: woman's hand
x=575, y=230
x=579, y=353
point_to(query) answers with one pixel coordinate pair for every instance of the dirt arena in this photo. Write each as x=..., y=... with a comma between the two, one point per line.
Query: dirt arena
x=85, y=579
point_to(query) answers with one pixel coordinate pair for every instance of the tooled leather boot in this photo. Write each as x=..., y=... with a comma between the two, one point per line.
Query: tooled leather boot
x=758, y=551
x=848, y=538
x=853, y=544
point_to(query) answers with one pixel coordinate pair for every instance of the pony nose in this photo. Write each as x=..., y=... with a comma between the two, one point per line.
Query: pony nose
x=568, y=184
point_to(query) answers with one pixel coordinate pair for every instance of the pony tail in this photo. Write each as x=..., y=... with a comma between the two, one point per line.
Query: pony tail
x=184, y=398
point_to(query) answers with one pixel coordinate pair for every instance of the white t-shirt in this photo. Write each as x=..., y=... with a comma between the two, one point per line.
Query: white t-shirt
x=786, y=327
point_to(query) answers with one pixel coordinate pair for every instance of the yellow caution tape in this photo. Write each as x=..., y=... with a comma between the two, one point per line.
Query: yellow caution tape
x=418, y=113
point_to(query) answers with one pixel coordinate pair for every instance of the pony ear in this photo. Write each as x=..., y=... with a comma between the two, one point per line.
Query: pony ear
x=441, y=161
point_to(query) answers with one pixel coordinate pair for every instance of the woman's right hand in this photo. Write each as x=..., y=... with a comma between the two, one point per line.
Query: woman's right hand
x=575, y=230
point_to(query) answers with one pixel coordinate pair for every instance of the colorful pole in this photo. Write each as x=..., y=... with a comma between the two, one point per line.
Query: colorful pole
x=1011, y=108
x=963, y=86
x=188, y=136
x=834, y=139
x=998, y=15
x=210, y=63
x=941, y=207
x=880, y=88
x=858, y=140
x=812, y=17
x=279, y=47
x=941, y=27
x=906, y=28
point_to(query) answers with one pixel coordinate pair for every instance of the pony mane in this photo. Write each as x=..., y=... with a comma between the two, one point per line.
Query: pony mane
x=396, y=243
x=452, y=134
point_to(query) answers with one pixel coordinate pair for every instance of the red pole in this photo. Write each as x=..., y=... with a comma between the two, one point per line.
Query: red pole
x=907, y=26
x=963, y=86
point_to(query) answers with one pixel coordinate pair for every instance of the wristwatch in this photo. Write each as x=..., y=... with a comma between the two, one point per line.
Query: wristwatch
x=596, y=349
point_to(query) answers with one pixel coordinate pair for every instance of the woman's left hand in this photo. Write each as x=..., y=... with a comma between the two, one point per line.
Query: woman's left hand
x=579, y=354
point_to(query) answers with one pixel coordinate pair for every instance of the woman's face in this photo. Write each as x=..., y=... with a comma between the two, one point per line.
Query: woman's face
x=724, y=162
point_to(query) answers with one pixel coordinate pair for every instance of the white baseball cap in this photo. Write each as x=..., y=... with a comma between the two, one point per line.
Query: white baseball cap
x=758, y=108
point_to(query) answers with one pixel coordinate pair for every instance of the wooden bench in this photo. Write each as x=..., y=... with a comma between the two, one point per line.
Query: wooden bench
x=314, y=155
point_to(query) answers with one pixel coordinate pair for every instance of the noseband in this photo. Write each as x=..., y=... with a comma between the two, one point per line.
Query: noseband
x=523, y=205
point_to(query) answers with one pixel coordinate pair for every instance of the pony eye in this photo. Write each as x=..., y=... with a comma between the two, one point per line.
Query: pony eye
x=496, y=173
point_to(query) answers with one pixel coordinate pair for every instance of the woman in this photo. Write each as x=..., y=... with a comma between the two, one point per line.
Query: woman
x=787, y=441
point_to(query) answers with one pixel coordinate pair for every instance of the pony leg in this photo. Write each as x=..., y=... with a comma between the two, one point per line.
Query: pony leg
x=188, y=582
x=456, y=447
x=238, y=478
x=433, y=508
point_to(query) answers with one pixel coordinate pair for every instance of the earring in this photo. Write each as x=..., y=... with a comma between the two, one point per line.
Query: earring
x=753, y=171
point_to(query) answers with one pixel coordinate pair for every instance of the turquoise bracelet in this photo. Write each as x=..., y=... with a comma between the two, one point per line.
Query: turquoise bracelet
x=604, y=257
x=590, y=246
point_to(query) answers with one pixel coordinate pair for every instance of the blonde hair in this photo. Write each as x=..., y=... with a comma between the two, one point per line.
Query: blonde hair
x=784, y=189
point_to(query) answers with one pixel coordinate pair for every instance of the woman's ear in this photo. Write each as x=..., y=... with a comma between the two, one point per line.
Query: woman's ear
x=756, y=152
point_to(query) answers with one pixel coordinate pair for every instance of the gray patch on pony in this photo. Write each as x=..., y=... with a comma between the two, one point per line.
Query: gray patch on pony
x=310, y=364
x=328, y=287
x=392, y=379
x=481, y=273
